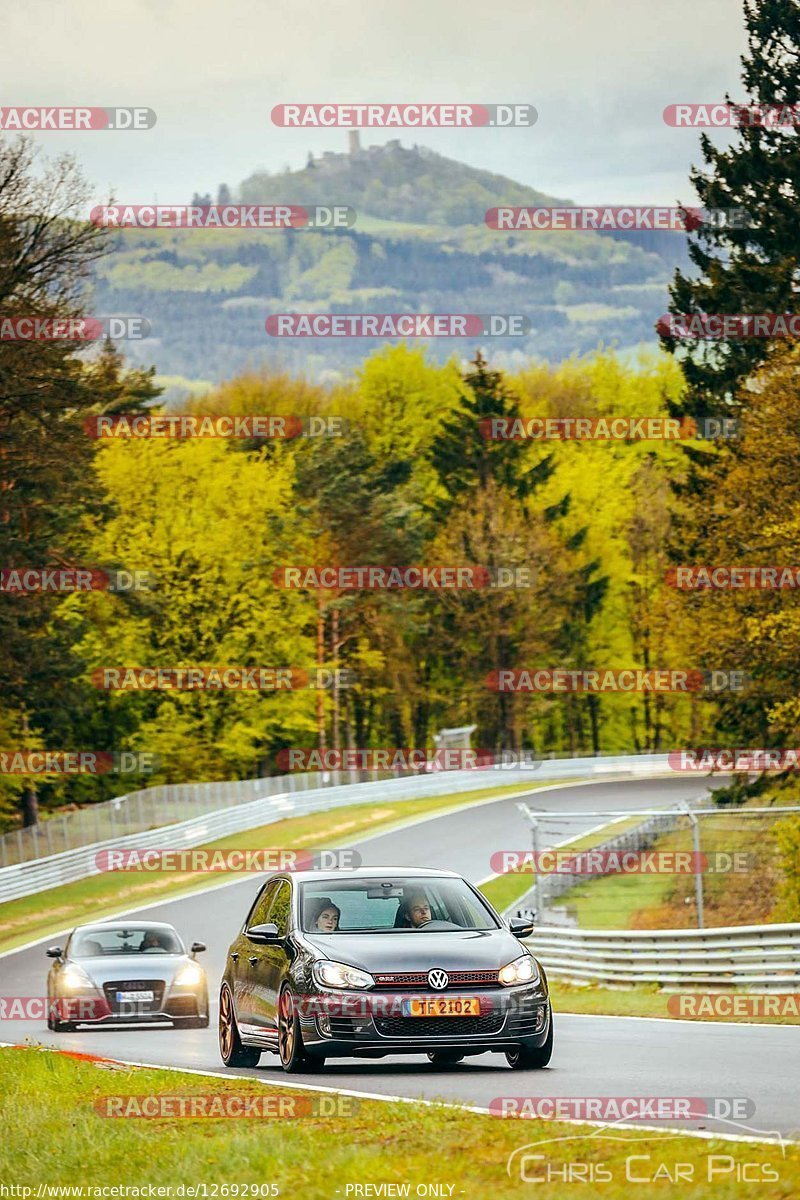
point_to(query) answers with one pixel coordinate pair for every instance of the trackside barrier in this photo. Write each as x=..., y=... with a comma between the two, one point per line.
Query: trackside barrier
x=756, y=957
x=255, y=802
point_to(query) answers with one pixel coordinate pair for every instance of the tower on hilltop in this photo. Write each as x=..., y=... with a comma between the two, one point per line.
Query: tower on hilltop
x=353, y=142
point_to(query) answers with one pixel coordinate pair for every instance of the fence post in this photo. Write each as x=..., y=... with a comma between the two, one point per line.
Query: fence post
x=698, y=865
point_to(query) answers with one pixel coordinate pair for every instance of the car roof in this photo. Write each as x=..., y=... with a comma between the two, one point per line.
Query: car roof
x=99, y=926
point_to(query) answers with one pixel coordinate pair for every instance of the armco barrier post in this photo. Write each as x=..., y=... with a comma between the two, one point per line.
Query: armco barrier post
x=698, y=869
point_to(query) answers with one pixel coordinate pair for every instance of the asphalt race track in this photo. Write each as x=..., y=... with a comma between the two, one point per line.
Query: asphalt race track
x=594, y=1056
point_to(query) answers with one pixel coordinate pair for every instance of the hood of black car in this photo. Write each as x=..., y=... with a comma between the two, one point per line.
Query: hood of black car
x=415, y=950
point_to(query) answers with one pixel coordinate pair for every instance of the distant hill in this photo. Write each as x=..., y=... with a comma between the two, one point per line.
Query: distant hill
x=419, y=244
x=395, y=184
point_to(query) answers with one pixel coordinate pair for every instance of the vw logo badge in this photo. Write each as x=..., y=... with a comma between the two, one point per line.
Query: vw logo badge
x=438, y=979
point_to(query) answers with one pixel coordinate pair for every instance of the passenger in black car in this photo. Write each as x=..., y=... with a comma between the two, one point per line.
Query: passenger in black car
x=323, y=914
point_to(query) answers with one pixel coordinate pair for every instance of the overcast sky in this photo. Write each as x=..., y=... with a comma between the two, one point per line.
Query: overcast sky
x=600, y=72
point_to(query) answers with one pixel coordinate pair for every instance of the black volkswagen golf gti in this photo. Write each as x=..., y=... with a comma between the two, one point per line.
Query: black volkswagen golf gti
x=378, y=961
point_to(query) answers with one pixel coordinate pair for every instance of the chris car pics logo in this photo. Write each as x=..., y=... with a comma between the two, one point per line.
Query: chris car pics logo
x=552, y=1160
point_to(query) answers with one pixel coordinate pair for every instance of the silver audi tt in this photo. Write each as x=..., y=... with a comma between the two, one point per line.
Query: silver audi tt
x=126, y=972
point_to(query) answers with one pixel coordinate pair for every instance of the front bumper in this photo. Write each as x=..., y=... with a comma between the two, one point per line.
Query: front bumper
x=345, y=1025
x=96, y=1008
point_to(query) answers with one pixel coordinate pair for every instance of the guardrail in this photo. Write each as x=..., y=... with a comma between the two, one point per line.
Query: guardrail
x=289, y=796
x=763, y=957
x=138, y=811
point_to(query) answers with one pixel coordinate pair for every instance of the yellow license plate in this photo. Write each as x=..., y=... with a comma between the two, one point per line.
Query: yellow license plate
x=442, y=1006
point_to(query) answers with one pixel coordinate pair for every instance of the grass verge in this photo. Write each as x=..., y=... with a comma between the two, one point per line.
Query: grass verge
x=644, y=1000
x=314, y=1157
x=745, y=896
x=35, y=916
x=504, y=890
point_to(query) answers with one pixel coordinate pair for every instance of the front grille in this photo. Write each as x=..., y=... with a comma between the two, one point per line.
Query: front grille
x=143, y=1007
x=411, y=1027
x=419, y=979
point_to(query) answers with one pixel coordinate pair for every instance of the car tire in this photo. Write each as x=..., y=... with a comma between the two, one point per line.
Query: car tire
x=53, y=1023
x=444, y=1058
x=231, y=1049
x=291, y=1050
x=531, y=1058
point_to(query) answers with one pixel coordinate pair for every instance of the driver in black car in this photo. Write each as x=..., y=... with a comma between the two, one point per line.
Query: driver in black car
x=418, y=909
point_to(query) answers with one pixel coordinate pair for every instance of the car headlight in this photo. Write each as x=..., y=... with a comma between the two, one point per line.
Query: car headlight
x=189, y=975
x=521, y=970
x=73, y=978
x=339, y=975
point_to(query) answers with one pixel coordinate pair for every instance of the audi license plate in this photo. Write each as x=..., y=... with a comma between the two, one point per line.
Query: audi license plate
x=442, y=1006
x=134, y=997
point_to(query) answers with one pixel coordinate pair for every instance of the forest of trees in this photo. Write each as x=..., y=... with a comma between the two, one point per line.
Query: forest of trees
x=411, y=481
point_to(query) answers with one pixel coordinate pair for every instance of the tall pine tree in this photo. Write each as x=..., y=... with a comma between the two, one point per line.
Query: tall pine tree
x=752, y=266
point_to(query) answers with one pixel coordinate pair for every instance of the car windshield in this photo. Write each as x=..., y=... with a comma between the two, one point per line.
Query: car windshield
x=125, y=939
x=392, y=906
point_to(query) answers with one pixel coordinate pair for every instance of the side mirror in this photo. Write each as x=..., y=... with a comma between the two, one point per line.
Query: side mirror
x=54, y=952
x=198, y=947
x=521, y=926
x=263, y=933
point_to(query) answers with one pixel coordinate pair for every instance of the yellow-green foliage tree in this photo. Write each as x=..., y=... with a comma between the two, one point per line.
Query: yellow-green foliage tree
x=211, y=524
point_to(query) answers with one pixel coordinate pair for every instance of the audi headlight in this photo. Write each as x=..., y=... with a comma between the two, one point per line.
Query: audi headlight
x=521, y=970
x=75, y=978
x=189, y=975
x=338, y=975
